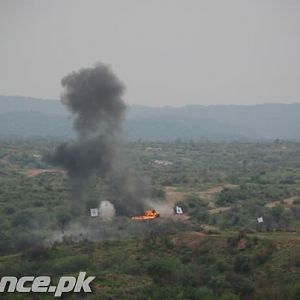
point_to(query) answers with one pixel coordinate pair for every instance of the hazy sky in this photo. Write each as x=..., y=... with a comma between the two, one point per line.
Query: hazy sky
x=166, y=52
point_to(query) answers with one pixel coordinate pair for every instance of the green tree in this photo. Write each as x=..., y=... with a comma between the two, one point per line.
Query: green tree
x=63, y=218
x=277, y=212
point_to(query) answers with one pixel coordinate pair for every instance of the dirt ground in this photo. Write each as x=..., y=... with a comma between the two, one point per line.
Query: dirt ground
x=36, y=172
x=286, y=202
x=173, y=196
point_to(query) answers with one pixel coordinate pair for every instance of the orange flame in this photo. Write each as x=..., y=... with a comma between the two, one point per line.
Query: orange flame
x=148, y=215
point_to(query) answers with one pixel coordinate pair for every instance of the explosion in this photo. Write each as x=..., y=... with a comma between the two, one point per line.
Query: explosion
x=94, y=97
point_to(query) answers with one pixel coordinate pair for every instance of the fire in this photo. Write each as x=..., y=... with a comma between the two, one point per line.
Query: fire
x=148, y=215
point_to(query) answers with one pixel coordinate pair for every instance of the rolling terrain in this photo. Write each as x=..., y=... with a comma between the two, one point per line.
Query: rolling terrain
x=29, y=117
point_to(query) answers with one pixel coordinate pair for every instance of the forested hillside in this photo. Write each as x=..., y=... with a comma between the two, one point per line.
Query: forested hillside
x=28, y=117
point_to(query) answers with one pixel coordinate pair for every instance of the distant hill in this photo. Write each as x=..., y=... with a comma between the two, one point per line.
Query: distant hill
x=29, y=117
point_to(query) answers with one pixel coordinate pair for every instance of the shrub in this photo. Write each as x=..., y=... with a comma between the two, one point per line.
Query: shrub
x=63, y=218
x=176, y=293
x=229, y=296
x=294, y=292
x=164, y=270
x=261, y=256
x=222, y=266
x=195, y=207
x=240, y=284
x=24, y=218
x=243, y=263
x=70, y=264
x=36, y=252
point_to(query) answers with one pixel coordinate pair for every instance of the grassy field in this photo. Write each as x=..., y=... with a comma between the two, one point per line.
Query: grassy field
x=216, y=250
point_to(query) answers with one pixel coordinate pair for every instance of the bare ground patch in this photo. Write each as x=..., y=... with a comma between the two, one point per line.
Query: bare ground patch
x=172, y=195
x=286, y=202
x=290, y=201
x=36, y=172
x=272, y=204
x=218, y=210
x=210, y=229
x=166, y=207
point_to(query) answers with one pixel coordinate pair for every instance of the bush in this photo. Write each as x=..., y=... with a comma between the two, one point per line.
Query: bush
x=222, y=266
x=195, y=207
x=294, y=292
x=229, y=296
x=263, y=255
x=176, y=293
x=243, y=264
x=202, y=293
x=63, y=218
x=9, y=209
x=164, y=270
x=277, y=212
x=24, y=218
x=239, y=284
x=69, y=264
x=36, y=252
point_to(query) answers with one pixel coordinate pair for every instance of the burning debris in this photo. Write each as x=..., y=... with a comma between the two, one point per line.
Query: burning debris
x=94, y=97
x=148, y=215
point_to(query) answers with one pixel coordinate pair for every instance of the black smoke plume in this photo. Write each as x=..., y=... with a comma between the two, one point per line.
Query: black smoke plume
x=94, y=97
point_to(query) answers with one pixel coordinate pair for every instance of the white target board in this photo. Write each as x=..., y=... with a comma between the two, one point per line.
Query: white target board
x=178, y=210
x=260, y=220
x=94, y=212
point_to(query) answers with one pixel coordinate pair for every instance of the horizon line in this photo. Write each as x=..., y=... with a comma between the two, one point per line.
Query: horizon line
x=167, y=105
